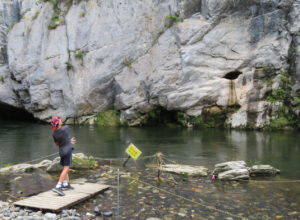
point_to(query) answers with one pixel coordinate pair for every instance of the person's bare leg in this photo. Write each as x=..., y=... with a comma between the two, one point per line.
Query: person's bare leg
x=64, y=174
x=67, y=178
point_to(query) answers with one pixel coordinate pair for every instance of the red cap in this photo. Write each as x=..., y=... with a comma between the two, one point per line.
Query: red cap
x=54, y=122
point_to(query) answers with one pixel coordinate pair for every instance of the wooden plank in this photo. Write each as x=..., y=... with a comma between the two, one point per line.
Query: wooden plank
x=51, y=201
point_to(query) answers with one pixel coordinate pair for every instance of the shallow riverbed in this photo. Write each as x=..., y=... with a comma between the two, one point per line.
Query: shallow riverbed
x=175, y=198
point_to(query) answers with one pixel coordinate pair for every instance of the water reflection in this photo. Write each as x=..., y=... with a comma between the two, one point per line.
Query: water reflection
x=24, y=141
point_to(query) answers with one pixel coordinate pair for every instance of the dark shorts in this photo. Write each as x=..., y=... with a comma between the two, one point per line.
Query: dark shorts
x=66, y=160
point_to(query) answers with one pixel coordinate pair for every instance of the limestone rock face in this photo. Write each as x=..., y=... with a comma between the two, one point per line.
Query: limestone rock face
x=78, y=59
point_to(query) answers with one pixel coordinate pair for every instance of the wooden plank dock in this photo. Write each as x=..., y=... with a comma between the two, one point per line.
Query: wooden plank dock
x=51, y=201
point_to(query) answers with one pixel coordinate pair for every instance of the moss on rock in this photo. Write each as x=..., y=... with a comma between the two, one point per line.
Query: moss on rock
x=80, y=163
x=108, y=118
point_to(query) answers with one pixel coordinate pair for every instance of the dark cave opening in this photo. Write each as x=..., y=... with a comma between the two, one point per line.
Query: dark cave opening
x=161, y=116
x=11, y=113
x=232, y=75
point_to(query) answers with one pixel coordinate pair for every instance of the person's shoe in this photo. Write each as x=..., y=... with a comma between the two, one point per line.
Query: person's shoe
x=58, y=191
x=67, y=187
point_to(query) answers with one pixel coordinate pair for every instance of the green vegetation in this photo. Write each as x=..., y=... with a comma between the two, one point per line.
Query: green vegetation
x=160, y=32
x=293, y=51
x=174, y=18
x=57, y=17
x=127, y=61
x=55, y=21
x=35, y=15
x=69, y=65
x=211, y=118
x=281, y=94
x=82, y=14
x=297, y=100
x=6, y=165
x=283, y=119
x=79, y=163
x=79, y=54
x=108, y=118
x=2, y=79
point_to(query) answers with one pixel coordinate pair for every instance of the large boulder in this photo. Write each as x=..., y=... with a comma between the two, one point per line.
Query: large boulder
x=185, y=169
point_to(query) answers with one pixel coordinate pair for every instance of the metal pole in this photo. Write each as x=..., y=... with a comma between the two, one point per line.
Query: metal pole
x=118, y=195
x=124, y=164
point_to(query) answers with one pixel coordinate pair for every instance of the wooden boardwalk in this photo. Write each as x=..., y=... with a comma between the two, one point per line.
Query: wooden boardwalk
x=51, y=201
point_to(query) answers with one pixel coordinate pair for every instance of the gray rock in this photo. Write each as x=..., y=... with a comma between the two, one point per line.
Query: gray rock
x=263, y=170
x=50, y=216
x=153, y=218
x=230, y=165
x=54, y=167
x=235, y=174
x=19, y=168
x=185, y=169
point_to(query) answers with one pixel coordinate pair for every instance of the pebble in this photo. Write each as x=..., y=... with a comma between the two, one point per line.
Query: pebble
x=10, y=212
x=153, y=218
x=155, y=191
x=50, y=216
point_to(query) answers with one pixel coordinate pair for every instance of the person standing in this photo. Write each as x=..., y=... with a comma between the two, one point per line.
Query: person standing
x=62, y=138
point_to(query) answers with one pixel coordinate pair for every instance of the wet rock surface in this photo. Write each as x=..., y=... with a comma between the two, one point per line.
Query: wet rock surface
x=263, y=170
x=237, y=170
x=185, y=169
x=79, y=161
x=136, y=193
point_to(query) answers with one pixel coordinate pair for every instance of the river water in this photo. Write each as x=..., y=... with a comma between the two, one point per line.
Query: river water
x=191, y=198
x=24, y=141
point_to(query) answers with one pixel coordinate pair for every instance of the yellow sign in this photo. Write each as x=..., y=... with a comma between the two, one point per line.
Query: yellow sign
x=133, y=151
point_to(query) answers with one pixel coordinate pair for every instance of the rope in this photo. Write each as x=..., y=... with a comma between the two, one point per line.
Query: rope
x=275, y=181
x=30, y=161
x=124, y=158
x=189, y=200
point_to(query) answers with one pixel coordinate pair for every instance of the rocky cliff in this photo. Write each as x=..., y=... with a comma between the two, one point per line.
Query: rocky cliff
x=75, y=58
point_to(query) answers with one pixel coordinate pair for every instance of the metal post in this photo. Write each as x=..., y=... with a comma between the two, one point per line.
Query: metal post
x=124, y=164
x=118, y=195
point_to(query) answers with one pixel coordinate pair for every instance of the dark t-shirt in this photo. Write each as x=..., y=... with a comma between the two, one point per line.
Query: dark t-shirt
x=62, y=138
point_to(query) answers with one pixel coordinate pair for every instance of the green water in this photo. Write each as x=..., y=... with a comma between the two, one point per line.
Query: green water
x=21, y=142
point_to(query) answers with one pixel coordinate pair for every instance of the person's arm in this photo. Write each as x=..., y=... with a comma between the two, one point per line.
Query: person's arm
x=55, y=142
x=73, y=140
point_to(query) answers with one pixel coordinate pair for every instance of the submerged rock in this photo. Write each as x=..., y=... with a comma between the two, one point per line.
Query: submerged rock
x=263, y=170
x=185, y=169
